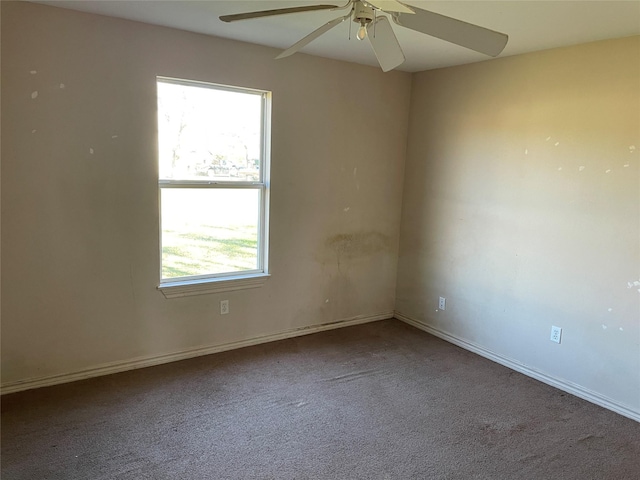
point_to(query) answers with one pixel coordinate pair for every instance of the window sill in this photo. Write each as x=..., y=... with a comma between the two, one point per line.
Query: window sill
x=188, y=288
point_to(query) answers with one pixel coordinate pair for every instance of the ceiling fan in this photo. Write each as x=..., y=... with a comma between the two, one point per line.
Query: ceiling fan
x=375, y=26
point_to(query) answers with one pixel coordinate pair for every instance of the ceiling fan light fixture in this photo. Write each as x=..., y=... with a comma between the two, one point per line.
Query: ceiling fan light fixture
x=364, y=15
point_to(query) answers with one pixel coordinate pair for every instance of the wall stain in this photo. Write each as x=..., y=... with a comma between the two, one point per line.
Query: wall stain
x=352, y=246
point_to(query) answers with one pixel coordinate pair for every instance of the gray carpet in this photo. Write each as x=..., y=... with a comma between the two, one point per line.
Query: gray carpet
x=376, y=401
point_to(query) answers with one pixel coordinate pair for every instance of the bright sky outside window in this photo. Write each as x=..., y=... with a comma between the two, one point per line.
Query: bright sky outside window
x=213, y=177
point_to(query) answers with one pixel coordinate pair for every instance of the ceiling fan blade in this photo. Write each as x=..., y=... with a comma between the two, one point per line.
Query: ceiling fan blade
x=279, y=11
x=389, y=6
x=385, y=44
x=312, y=36
x=461, y=33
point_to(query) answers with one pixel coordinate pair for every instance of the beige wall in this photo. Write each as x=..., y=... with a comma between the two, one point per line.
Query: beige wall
x=80, y=261
x=521, y=207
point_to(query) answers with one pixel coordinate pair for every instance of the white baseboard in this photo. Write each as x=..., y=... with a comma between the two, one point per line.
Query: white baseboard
x=142, y=362
x=558, y=383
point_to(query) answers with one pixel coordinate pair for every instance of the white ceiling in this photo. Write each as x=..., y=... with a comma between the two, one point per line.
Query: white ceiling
x=531, y=25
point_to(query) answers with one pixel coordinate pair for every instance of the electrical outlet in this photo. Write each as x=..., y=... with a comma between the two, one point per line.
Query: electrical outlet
x=224, y=307
x=556, y=334
x=442, y=303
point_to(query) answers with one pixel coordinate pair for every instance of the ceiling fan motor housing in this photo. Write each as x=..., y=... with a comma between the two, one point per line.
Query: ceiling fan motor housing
x=362, y=13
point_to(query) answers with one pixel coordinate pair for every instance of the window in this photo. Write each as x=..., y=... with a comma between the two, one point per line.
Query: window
x=213, y=145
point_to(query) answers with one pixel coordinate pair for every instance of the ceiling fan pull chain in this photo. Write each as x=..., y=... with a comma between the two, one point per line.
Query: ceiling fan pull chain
x=375, y=17
x=376, y=22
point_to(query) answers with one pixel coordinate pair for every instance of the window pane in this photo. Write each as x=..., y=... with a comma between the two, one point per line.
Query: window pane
x=209, y=231
x=208, y=133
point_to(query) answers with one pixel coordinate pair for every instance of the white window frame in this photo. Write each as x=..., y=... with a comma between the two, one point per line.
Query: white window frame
x=224, y=282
